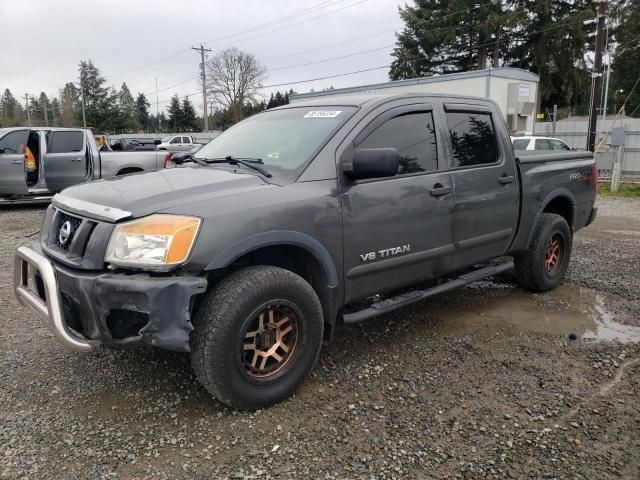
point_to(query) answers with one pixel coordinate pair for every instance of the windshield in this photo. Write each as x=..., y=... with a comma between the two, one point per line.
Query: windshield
x=285, y=140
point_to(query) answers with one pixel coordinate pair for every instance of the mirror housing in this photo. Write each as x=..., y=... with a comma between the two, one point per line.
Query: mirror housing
x=157, y=142
x=372, y=163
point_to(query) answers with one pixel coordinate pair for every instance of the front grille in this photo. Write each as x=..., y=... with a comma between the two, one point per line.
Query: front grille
x=86, y=244
x=64, y=242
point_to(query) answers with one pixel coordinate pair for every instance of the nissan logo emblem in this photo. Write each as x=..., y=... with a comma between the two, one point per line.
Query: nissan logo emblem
x=65, y=233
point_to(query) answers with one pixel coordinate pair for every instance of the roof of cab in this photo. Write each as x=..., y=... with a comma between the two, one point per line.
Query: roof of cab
x=360, y=100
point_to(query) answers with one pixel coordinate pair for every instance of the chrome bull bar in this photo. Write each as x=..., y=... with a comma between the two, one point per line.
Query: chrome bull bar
x=27, y=262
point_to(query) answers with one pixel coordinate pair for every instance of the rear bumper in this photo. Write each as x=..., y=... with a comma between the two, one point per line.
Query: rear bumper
x=87, y=308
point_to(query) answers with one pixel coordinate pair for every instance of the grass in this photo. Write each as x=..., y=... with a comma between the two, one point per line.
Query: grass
x=625, y=190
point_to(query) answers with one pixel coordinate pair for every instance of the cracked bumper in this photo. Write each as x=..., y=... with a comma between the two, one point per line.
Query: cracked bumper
x=84, y=309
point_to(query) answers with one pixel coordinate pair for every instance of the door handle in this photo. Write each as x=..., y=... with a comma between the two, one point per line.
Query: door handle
x=504, y=179
x=16, y=161
x=438, y=190
x=76, y=159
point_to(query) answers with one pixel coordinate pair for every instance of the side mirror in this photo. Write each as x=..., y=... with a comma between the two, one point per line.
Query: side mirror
x=180, y=158
x=372, y=163
x=157, y=142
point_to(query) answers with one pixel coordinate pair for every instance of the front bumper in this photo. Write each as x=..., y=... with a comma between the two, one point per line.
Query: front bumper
x=86, y=308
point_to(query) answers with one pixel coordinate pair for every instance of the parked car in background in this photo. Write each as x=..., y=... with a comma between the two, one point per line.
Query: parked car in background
x=135, y=145
x=63, y=157
x=177, y=143
x=539, y=143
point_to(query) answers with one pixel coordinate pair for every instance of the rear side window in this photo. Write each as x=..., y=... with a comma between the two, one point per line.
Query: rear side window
x=413, y=135
x=473, y=138
x=14, y=142
x=558, y=145
x=185, y=139
x=543, y=144
x=64, y=142
x=521, y=144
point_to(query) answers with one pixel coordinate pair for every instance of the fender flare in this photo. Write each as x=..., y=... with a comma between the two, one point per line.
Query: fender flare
x=278, y=237
x=557, y=193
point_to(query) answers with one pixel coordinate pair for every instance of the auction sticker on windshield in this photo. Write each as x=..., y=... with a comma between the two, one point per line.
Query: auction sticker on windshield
x=323, y=114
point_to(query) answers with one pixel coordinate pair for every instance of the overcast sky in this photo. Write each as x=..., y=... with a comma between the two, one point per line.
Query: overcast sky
x=136, y=41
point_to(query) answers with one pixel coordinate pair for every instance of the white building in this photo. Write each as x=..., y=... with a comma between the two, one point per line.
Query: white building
x=514, y=90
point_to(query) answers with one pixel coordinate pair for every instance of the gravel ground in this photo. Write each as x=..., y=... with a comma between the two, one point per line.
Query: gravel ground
x=484, y=382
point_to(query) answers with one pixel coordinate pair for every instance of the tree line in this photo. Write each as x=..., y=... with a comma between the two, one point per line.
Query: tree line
x=109, y=110
x=549, y=38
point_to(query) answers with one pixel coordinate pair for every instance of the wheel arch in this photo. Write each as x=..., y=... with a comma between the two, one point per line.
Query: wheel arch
x=294, y=251
x=127, y=170
x=561, y=202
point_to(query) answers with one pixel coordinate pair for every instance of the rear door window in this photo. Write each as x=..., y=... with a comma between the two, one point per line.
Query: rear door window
x=65, y=142
x=473, y=138
x=521, y=144
x=542, y=144
x=558, y=145
x=14, y=142
x=186, y=140
x=413, y=136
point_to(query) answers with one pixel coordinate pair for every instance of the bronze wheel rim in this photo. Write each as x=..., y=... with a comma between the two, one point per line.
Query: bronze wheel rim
x=553, y=257
x=269, y=341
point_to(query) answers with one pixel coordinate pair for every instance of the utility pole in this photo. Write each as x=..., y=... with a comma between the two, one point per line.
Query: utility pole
x=157, y=114
x=84, y=116
x=596, y=76
x=26, y=99
x=204, y=86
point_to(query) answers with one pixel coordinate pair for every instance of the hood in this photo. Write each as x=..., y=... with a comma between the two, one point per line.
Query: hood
x=150, y=192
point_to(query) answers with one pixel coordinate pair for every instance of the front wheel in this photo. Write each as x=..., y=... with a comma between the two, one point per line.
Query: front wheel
x=256, y=336
x=543, y=266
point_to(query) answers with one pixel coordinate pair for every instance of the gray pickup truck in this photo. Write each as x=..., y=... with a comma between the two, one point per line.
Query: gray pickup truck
x=63, y=157
x=296, y=221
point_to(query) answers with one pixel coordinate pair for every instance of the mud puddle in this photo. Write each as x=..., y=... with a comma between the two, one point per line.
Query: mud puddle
x=568, y=311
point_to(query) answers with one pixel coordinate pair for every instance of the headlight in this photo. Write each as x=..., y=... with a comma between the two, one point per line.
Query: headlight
x=157, y=242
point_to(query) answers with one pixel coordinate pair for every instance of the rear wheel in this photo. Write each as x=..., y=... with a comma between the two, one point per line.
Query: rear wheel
x=256, y=336
x=543, y=266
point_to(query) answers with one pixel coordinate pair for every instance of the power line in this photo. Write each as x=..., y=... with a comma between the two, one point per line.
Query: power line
x=331, y=59
x=325, y=4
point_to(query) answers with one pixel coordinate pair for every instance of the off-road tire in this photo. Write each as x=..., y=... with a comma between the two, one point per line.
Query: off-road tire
x=530, y=268
x=220, y=321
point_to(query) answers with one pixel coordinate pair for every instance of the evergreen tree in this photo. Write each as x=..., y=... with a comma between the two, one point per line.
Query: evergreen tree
x=626, y=64
x=189, y=119
x=55, y=115
x=142, y=111
x=127, y=111
x=40, y=109
x=175, y=113
x=70, y=108
x=12, y=114
x=98, y=99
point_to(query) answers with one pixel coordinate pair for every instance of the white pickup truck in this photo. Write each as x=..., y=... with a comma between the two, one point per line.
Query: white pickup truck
x=177, y=143
x=63, y=157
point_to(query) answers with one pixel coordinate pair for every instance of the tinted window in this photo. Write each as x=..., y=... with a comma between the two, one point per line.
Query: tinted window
x=521, y=144
x=176, y=140
x=472, y=138
x=185, y=139
x=64, y=142
x=558, y=145
x=14, y=142
x=413, y=135
x=542, y=144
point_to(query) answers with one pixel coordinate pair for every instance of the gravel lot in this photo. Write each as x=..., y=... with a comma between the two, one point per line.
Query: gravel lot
x=480, y=383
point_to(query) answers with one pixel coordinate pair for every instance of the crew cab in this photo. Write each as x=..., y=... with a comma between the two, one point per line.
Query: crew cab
x=63, y=157
x=177, y=143
x=296, y=221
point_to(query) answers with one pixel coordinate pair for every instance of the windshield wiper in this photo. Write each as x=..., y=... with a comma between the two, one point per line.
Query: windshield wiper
x=187, y=157
x=246, y=161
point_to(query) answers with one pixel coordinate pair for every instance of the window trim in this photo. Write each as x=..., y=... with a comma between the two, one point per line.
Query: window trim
x=390, y=114
x=470, y=108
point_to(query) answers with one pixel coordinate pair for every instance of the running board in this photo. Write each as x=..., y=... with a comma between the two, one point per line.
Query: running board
x=409, y=298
